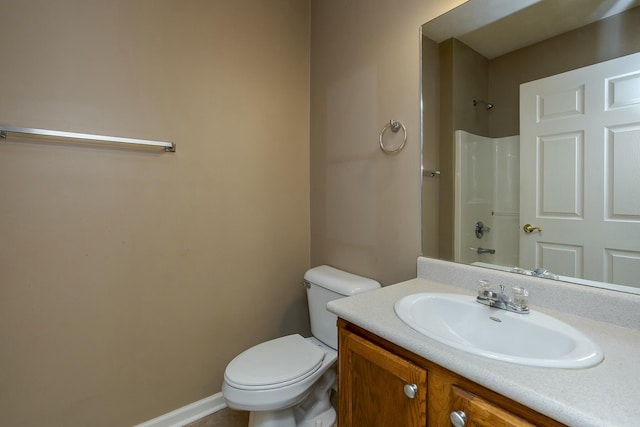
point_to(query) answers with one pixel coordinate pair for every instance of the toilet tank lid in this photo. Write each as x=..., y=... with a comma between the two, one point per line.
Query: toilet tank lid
x=340, y=281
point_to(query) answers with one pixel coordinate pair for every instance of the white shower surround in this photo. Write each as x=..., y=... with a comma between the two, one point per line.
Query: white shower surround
x=487, y=186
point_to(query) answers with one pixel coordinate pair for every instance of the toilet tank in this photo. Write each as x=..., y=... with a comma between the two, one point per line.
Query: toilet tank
x=324, y=284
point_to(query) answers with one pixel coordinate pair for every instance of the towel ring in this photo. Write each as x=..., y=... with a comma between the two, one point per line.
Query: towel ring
x=395, y=126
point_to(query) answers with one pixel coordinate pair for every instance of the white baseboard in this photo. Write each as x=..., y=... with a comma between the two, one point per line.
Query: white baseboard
x=188, y=414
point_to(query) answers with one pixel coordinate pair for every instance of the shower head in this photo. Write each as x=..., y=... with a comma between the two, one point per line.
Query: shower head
x=487, y=105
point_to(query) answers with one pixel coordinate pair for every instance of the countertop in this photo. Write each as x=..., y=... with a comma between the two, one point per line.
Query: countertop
x=605, y=395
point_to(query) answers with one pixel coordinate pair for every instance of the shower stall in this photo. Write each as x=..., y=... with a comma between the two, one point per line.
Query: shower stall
x=487, y=182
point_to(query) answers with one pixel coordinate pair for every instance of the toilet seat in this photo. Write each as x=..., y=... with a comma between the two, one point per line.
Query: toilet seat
x=274, y=364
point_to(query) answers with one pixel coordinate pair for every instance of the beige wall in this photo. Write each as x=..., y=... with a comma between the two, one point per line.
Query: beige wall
x=463, y=79
x=365, y=205
x=129, y=279
x=471, y=74
x=430, y=148
x=446, y=180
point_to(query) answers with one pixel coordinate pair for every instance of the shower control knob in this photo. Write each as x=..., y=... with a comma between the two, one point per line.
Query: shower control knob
x=458, y=418
x=410, y=390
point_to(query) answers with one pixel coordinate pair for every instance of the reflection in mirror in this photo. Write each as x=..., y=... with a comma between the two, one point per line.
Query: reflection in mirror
x=531, y=114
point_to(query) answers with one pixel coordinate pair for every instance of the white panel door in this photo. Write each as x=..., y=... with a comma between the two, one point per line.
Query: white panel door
x=580, y=172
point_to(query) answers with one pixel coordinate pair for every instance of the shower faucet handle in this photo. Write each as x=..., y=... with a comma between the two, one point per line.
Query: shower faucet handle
x=481, y=229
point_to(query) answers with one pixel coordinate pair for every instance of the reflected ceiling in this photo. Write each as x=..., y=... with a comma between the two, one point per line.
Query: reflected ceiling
x=525, y=25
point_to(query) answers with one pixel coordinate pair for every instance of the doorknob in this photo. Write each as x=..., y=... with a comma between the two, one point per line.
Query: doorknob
x=528, y=228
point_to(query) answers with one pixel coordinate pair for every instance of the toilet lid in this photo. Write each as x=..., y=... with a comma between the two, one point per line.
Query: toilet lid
x=275, y=362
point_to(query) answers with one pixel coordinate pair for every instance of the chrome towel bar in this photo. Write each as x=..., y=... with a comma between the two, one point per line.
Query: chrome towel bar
x=5, y=131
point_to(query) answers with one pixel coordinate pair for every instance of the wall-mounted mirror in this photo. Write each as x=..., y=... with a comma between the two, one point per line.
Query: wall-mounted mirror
x=531, y=138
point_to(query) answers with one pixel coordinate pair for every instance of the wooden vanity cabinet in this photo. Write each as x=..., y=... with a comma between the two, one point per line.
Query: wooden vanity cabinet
x=381, y=384
x=371, y=386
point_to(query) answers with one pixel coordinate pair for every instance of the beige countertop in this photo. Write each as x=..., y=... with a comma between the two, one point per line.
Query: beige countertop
x=605, y=395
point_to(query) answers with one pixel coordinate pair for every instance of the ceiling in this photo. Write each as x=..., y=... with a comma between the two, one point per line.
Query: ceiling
x=528, y=21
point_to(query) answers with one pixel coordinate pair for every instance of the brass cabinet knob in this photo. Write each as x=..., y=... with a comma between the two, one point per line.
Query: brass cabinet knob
x=528, y=228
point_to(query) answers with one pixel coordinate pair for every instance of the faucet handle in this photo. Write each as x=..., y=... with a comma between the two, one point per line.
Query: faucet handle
x=484, y=289
x=520, y=297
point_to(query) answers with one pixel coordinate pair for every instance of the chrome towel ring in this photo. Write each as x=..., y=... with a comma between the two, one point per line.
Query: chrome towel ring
x=395, y=126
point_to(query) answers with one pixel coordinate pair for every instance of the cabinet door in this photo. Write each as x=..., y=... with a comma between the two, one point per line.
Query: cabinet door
x=372, y=386
x=481, y=413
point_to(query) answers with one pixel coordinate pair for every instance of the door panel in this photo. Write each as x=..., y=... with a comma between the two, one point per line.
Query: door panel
x=623, y=155
x=622, y=266
x=564, y=260
x=372, y=382
x=561, y=165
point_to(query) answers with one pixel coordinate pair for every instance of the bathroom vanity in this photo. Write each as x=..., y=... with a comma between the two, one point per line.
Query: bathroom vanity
x=383, y=384
x=392, y=375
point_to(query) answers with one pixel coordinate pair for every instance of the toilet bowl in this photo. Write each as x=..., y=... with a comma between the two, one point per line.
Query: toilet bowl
x=276, y=374
x=287, y=381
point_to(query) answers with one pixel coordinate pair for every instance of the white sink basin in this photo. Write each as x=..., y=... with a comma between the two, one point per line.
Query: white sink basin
x=533, y=339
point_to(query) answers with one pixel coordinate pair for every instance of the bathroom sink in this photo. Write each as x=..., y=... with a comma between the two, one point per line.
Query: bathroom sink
x=533, y=339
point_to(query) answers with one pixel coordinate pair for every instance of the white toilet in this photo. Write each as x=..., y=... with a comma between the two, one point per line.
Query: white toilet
x=286, y=382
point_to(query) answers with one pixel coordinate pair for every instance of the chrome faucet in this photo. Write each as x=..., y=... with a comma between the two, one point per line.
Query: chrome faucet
x=543, y=272
x=500, y=300
x=485, y=251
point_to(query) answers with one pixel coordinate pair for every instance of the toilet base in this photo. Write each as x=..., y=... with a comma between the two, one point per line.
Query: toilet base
x=326, y=419
x=283, y=418
x=314, y=411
